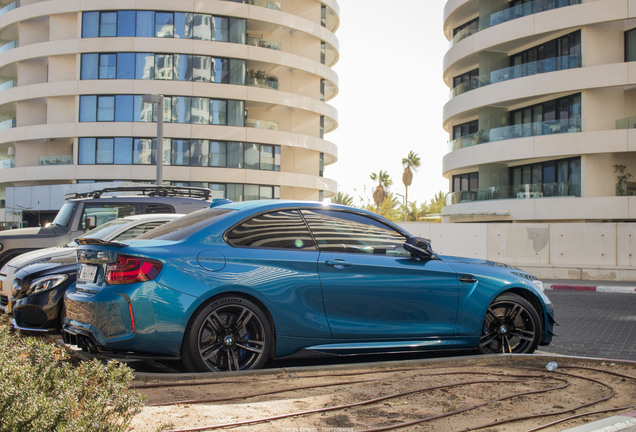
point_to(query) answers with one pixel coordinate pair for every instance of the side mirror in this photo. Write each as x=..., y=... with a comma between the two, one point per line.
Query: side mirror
x=90, y=222
x=420, y=247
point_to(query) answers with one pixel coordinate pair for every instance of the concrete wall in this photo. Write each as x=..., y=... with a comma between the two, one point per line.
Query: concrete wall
x=593, y=251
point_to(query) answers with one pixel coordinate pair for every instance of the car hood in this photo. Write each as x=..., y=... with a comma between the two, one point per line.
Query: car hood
x=454, y=259
x=32, y=232
x=47, y=267
x=41, y=255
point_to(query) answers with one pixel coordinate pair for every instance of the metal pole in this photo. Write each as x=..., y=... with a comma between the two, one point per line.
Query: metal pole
x=159, y=160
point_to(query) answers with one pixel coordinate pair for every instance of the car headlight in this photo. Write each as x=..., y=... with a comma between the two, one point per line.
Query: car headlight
x=538, y=284
x=46, y=283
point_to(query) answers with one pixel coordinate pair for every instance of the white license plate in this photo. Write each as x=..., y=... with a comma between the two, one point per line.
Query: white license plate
x=87, y=273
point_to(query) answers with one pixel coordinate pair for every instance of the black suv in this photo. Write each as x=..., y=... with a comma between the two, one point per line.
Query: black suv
x=85, y=211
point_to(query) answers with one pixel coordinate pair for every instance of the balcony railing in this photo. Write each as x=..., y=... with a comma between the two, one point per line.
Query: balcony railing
x=7, y=124
x=7, y=163
x=9, y=46
x=513, y=13
x=263, y=43
x=529, y=8
x=524, y=191
x=520, y=71
x=626, y=123
x=570, y=125
x=262, y=83
x=535, y=129
x=9, y=7
x=262, y=124
x=7, y=85
x=57, y=160
x=534, y=68
x=270, y=4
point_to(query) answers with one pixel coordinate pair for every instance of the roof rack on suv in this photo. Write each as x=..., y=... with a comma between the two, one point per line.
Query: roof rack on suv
x=150, y=190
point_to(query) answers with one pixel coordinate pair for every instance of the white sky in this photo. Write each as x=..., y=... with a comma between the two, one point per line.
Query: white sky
x=391, y=95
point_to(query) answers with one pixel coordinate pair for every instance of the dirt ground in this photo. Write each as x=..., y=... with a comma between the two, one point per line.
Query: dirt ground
x=461, y=394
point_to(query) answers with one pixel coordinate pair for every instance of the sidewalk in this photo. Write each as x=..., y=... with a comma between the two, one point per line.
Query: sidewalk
x=586, y=285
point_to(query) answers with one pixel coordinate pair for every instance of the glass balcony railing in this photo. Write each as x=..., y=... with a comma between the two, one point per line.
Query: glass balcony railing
x=529, y=8
x=524, y=191
x=513, y=13
x=262, y=124
x=9, y=46
x=535, y=129
x=534, y=68
x=7, y=124
x=570, y=125
x=464, y=87
x=57, y=160
x=7, y=85
x=7, y=163
x=262, y=83
x=9, y=7
x=270, y=4
x=626, y=123
x=263, y=43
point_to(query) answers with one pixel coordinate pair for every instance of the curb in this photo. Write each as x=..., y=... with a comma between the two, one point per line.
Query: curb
x=590, y=288
x=622, y=422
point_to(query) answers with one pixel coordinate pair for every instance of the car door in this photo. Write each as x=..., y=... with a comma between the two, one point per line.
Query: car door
x=371, y=285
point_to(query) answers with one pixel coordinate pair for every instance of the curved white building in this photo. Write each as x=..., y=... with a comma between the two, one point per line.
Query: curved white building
x=246, y=85
x=542, y=111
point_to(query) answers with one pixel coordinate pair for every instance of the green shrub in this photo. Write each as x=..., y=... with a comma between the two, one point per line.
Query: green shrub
x=41, y=389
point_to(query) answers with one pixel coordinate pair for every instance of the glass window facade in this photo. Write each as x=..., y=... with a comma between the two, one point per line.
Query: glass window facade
x=551, y=178
x=177, y=67
x=179, y=152
x=630, y=45
x=177, y=109
x=128, y=23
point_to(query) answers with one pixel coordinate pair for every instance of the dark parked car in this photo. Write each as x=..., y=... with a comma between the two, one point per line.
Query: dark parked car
x=38, y=287
x=229, y=287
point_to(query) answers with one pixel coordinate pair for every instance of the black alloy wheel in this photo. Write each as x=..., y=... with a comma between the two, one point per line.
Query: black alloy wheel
x=511, y=325
x=228, y=334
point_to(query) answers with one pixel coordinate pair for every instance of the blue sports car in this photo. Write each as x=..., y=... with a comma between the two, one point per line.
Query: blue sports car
x=229, y=287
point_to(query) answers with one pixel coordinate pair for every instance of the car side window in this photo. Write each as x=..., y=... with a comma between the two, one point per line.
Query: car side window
x=106, y=212
x=158, y=208
x=138, y=230
x=276, y=230
x=339, y=231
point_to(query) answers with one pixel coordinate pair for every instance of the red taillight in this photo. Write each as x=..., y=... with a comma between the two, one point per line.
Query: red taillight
x=129, y=269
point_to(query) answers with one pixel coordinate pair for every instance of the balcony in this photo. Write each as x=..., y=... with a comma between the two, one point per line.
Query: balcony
x=626, y=123
x=7, y=85
x=524, y=191
x=7, y=124
x=261, y=79
x=519, y=71
x=270, y=4
x=262, y=124
x=8, y=46
x=570, y=125
x=512, y=13
x=9, y=7
x=263, y=43
x=7, y=163
x=57, y=160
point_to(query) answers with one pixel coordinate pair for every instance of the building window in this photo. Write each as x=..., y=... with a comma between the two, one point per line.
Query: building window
x=179, y=152
x=177, y=109
x=551, y=178
x=323, y=52
x=555, y=116
x=466, y=182
x=182, y=25
x=630, y=45
x=557, y=54
x=465, y=82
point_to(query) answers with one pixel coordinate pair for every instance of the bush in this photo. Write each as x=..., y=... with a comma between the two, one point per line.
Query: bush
x=42, y=390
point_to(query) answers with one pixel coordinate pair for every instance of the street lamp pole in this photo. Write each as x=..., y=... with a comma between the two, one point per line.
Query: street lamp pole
x=157, y=99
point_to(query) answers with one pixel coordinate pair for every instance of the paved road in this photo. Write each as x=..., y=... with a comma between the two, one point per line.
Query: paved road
x=592, y=324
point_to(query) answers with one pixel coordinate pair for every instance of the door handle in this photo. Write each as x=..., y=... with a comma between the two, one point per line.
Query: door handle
x=467, y=279
x=338, y=263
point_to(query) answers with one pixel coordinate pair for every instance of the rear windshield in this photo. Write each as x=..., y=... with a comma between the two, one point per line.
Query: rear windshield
x=182, y=227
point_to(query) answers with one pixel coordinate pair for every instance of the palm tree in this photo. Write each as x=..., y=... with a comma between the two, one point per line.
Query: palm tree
x=410, y=163
x=344, y=199
x=381, y=191
x=436, y=204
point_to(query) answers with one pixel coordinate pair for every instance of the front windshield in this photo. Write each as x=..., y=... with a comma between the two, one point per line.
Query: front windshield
x=103, y=230
x=64, y=215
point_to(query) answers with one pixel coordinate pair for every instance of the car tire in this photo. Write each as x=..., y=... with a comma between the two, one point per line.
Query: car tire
x=227, y=334
x=511, y=325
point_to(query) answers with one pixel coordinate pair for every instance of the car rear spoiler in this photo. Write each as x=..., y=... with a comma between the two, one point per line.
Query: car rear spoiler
x=100, y=242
